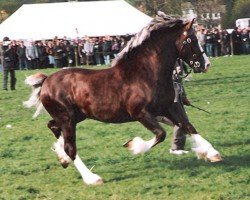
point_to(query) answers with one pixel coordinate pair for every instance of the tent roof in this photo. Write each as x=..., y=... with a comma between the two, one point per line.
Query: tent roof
x=73, y=19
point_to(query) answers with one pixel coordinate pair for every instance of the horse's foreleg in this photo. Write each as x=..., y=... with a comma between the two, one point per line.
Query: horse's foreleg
x=88, y=177
x=204, y=149
x=138, y=145
x=201, y=147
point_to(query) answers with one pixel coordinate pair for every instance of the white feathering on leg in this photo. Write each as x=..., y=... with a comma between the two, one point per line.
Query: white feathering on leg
x=138, y=145
x=58, y=147
x=88, y=177
x=204, y=149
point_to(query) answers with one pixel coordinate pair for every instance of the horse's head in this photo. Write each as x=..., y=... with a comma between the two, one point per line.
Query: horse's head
x=190, y=49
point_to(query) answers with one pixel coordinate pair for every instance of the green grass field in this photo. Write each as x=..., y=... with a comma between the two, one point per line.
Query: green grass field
x=30, y=170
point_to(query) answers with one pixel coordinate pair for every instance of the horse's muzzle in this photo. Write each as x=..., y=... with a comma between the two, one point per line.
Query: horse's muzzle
x=207, y=65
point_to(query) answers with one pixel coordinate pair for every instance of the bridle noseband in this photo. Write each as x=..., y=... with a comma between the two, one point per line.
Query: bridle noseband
x=187, y=43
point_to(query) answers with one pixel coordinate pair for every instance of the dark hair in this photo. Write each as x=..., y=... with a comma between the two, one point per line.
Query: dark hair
x=6, y=39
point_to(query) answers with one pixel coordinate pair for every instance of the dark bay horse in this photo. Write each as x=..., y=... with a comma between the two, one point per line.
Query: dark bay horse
x=138, y=87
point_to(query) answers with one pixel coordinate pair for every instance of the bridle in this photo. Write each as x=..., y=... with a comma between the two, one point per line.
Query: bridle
x=187, y=43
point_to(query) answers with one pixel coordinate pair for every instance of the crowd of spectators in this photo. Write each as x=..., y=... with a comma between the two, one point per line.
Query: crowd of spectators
x=101, y=50
x=67, y=53
x=216, y=42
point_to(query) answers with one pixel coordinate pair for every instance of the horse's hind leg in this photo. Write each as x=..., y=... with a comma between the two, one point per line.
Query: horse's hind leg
x=138, y=145
x=58, y=146
x=53, y=126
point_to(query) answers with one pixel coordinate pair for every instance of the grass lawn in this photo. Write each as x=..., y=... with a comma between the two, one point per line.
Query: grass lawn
x=30, y=170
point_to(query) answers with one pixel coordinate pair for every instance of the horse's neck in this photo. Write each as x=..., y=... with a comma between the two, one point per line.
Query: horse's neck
x=153, y=60
x=166, y=57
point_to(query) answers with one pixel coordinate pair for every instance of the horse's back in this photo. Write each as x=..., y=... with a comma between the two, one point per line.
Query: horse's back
x=97, y=93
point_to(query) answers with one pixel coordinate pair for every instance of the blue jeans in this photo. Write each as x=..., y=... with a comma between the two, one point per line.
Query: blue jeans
x=209, y=49
x=107, y=59
x=22, y=63
x=51, y=60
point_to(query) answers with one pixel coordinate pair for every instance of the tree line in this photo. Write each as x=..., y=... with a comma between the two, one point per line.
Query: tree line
x=235, y=9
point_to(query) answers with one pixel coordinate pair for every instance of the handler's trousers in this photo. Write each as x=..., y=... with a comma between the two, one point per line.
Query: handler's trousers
x=179, y=134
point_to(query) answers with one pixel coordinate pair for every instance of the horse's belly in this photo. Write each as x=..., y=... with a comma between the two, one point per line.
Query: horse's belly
x=112, y=113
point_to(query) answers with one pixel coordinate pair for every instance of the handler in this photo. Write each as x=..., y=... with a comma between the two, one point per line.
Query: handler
x=179, y=134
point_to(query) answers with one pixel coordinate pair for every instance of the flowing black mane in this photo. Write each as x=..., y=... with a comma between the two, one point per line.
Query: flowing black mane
x=158, y=23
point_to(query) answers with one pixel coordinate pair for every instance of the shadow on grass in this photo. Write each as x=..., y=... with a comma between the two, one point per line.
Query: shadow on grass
x=234, y=143
x=189, y=166
x=221, y=80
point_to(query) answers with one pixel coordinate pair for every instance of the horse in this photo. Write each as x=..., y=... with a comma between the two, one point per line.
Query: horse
x=137, y=87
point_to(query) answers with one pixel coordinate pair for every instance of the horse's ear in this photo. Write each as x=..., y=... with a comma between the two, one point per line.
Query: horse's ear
x=188, y=25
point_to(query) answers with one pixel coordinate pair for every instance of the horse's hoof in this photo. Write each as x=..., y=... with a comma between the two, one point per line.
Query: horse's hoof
x=64, y=163
x=128, y=144
x=98, y=182
x=94, y=180
x=137, y=145
x=216, y=158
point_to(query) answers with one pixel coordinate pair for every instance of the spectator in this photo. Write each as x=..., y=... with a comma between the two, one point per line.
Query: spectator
x=201, y=38
x=245, y=39
x=209, y=39
x=115, y=47
x=21, y=52
x=15, y=46
x=97, y=49
x=8, y=64
x=225, y=41
x=236, y=37
x=50, y=53
x=42, y=55
x=31, y=55
x=106, y=49
x=81, y=53
x=70, y=53
x=217, y=43
x=58, y=52
x=88, y=49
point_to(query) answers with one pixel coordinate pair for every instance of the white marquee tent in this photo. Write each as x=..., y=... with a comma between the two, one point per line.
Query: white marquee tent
x=73, y=19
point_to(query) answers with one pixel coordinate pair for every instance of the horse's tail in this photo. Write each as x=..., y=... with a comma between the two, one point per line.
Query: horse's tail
x=35, y=81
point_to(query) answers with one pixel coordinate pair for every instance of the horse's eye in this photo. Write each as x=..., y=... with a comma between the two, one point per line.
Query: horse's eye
x=189, y=40
x=184, y=42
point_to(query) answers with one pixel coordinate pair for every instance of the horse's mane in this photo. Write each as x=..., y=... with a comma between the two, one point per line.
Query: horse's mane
x=159, y=22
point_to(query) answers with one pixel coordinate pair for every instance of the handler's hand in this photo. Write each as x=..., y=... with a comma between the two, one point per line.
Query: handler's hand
x=185, y=101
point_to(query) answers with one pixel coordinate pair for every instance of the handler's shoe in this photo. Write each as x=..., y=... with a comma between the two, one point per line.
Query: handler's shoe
x=177, y=152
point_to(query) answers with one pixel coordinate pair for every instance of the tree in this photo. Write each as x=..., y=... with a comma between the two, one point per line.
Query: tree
x=241, y=9
x=207, y=7
x=150, y=7
x=227, y=18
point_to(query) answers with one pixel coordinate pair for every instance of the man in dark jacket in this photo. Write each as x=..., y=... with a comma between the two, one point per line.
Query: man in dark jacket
x=236, y=37
x=42, y=55
x=106, y=48
x=8, y=64
x=21, y=52
x=225, y=39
